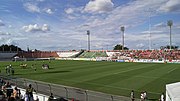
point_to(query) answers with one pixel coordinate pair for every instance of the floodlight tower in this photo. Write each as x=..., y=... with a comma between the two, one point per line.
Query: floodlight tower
x=88, y=34
x=150, y=43
x=150, y=11
x=122, y=30
x=170, y=23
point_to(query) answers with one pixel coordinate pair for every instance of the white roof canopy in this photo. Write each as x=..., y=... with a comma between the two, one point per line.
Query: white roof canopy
x=173, y=92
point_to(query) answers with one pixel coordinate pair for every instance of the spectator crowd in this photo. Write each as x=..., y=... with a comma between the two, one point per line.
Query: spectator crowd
x=147, y=54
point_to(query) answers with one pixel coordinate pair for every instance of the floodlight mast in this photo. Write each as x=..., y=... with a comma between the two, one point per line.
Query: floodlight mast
x=88, y=33
x=150, y=42
x=150, y=11
x=170, y=23
x=122, y=30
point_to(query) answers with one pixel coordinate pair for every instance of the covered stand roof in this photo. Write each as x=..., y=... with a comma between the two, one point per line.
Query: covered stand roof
x=173, y=92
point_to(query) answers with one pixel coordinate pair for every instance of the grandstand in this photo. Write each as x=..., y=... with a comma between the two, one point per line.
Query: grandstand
x=38, y=54
x=112, y=55
x=68, y=54
x=7, y=55
x=93, y=54
x=146, y=54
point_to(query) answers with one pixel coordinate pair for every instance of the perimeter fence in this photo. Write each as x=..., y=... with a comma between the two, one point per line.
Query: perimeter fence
x=64, y=91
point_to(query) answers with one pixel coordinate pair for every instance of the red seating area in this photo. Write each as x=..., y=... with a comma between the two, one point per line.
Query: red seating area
x=150, y=54
x=38, y=54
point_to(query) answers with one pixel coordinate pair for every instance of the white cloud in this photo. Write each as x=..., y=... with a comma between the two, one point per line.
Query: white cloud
x=74, y=13
x=131, y=15
x=40, y=0
x=69, y=11
x=49, y=11
x=7, y=41
x=162, y=24
x=178, y=26
x=10, y=26
x=45, y=27
x=104, y=27
x=32, y=7
x=10, y=42
x=141, y=45
x=153, y=32
x=36, y=28
x=71, y=17
x=74, y=10
x=2, y=23
x=4, y=33
x=171, y=6
x=99, y=6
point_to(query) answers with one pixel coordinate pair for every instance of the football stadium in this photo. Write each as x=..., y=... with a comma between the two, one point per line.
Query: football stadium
x=90, y=50
x=102, y=75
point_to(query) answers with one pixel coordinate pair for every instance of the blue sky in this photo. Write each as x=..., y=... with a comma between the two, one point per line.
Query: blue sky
x=62, y=24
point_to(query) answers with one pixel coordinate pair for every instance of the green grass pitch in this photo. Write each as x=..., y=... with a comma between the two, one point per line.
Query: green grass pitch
x=108, y=77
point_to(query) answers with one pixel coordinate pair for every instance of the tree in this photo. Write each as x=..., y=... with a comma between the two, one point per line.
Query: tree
x=169, y=47
x=170, y=23
x=9, y=48
x=120, y=47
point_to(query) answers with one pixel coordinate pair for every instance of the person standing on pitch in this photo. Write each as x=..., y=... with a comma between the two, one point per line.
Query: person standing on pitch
x=145, y=95
x=132, y=95
x=162, y=97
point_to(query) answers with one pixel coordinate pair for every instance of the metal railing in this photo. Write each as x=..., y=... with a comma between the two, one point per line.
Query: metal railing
x=64, y=91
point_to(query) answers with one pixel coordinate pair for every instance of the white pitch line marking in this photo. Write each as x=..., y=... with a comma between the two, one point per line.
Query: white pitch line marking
x=171, y=70
x=128, y=70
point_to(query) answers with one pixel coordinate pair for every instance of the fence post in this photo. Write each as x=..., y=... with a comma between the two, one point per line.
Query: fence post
x=16, y=81
x=86, y=95
x=112, y=98
x=49, y=88
x=36, y=86
x=66, y=92
x=25, y=82
x=43, y=98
